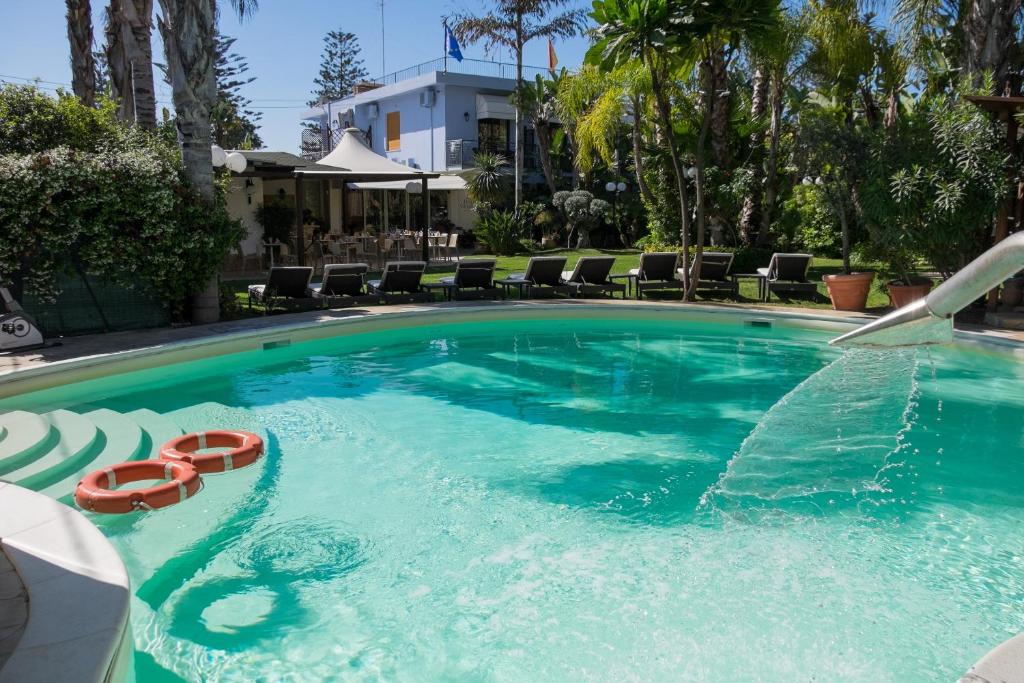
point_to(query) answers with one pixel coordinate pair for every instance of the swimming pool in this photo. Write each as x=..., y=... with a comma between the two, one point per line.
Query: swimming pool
x=590, y=499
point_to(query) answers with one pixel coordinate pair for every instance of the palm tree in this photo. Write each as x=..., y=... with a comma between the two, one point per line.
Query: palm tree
x=985, y=33
x=536, y=99
x=188, y=29
x=704, y=30
x=83, y=66
x=626, y=93
x=781, y=52
x=640, y=31
x=512, y=24
x=576, y=97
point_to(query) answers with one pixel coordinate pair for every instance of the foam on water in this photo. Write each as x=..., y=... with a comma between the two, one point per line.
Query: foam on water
x=522, y=501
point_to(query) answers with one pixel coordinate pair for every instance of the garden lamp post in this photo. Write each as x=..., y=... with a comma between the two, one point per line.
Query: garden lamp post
x=615, y=189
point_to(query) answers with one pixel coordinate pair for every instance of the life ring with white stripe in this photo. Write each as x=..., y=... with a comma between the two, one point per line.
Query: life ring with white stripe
x=96, y=490
x=245, y=449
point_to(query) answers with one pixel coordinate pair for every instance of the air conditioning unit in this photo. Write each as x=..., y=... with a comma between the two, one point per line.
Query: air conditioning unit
x=372, y=111
x=427, y=98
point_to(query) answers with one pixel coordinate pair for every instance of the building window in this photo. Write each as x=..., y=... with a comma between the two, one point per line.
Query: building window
x=493, y=135
x=394, y=140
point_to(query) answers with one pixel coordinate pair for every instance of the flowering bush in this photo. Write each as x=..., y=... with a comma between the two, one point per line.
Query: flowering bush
x=118, y=209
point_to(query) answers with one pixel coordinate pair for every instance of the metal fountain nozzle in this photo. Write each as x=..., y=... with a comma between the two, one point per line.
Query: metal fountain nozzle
x=930, y=320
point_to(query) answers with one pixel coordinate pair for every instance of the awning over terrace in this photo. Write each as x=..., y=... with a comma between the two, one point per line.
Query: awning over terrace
x=444, y=182
x=353, y=161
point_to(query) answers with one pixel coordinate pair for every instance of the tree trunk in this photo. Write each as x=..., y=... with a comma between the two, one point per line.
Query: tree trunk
x=542, y=129
x=118, y=63
x=771, y=165
x=188, y=28
x=638, y=158
x=707, y=70
x=892, y=112
x=83, y=67
x=519, y=111
x=665, y=121
x=989, y=40
x=718, y=82
x=750, y=213
x=870, y=106
x=137, y=29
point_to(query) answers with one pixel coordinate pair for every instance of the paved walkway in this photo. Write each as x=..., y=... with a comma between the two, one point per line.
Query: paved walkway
x=13, y=608
x=102, y=344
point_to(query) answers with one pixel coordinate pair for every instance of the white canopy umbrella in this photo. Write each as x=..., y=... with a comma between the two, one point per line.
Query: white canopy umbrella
x=355, y=157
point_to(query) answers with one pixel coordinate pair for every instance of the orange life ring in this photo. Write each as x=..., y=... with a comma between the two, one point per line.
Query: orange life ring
x=246, y=448
x=95, y=491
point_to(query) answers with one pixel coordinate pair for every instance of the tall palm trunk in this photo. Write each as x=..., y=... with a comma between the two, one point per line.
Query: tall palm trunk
x=718, y=81
x=138, y=29
x=751, y=210
x=130, y=59
x=83, y=67
x=989, y=38
x=519, y=159
x=771, y=182
x=188, y=28
x=664, y=108
x=542, y=130
x=707, y=70
x=118, y=62
x=638, y=157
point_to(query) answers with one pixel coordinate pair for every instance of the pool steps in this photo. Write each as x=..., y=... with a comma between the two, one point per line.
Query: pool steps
x=76, y=435
x=122, y=440
x=25, y=436
x=50, y=452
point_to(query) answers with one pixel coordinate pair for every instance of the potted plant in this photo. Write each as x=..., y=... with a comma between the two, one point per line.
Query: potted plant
x=903, y=284
x=848, y=290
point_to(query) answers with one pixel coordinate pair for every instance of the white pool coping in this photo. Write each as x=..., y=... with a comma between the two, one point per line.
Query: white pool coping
x=78, y=586
x=78, y=593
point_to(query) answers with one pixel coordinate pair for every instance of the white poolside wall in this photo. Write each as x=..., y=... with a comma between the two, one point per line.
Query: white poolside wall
x=239, y=207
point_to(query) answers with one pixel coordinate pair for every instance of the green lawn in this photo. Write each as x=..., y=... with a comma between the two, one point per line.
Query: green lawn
x=626, y=259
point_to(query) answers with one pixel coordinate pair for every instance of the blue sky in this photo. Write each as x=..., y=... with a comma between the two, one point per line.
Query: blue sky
x=282, y=42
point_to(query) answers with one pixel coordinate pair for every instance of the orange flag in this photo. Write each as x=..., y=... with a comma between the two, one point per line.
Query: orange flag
x=552, y=57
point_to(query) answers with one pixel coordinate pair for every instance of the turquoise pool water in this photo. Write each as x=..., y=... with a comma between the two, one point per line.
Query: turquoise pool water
x=583, y=500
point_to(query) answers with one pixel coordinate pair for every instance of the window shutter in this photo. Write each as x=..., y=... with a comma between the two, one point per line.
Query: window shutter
x=394, y=131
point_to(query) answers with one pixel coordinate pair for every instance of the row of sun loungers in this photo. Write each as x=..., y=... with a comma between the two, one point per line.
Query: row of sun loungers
x=401, y=281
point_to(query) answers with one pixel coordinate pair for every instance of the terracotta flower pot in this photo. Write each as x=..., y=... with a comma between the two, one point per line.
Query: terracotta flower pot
x=900, y=294
x=849, y=292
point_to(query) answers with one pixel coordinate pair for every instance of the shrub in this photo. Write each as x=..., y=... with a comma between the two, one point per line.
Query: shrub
x=122, y=215
x=503, y=231
x=107, y=200
x=277, y=220
x=583, y=211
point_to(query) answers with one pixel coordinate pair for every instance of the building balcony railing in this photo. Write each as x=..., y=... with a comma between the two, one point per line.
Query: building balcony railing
x=472, y=67
x=461, y=154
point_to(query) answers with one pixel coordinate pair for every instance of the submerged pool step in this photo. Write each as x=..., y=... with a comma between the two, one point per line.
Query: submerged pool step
x=26, y=438
x=122, y=440
x=157, y=427
x=74, y=447
x=211, y=415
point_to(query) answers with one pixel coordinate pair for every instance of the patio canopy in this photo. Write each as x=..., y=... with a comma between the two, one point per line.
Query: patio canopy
x=444, y=182
x=353, y=158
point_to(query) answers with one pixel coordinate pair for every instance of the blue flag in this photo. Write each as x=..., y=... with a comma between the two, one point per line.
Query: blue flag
x=451, y=46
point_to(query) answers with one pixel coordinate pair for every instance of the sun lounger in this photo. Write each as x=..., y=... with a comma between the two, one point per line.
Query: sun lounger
x=590, y=276
x=657, y=271
x=716, y=273
x=286, y=286
x=787, y=273
x=543, y=276
x=400, y=282
x=344, y=284
x=473, y=279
